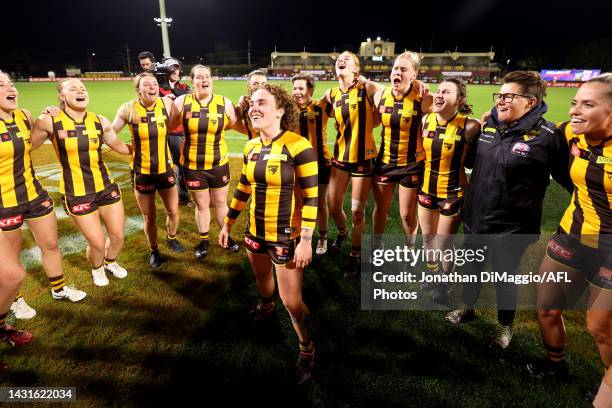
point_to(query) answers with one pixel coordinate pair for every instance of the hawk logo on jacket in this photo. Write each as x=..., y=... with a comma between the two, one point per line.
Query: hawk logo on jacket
x=272, y=169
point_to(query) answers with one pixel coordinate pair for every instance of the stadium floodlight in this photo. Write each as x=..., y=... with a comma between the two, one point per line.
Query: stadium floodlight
x=377, y=38
x=164, y=22
x=369, y=39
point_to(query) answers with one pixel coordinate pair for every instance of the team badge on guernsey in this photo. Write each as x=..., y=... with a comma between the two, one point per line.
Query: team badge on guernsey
x=521, y=149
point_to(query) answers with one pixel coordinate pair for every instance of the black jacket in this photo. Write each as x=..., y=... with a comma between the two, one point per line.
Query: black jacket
x=511, y=170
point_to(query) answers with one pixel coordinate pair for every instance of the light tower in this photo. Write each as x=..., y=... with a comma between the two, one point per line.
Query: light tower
x=164, y=23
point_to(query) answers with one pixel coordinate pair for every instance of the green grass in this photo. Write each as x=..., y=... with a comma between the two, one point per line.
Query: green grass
x=106, y=97
x=161, y=337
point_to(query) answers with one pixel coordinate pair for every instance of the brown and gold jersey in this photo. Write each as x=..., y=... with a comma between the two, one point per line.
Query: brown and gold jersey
x=78, y=145
x=401, y=143
x=444, y=147
x=281, y=179
x=205, y=126
x=590, y=211
x=312, y=126
x=355, y=119
x=18, y=183
x=149, y=128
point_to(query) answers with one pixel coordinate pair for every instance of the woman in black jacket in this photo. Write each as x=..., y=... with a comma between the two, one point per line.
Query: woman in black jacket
x=516, y=153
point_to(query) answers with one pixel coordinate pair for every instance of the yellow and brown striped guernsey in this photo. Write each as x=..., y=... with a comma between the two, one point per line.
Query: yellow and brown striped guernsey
x=312, y=126
x=79, y=149
x=355, y=118
x=282, y=177
x=401, y=143
x=444, y=146
x=590, y=211
x=205, y=125
x=18, y=183
x=149, y=129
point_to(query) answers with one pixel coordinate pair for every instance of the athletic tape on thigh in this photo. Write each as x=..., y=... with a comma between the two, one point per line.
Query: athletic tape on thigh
x=357, y=205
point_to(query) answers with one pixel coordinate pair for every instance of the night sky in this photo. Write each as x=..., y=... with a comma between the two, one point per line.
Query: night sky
x=52, y=33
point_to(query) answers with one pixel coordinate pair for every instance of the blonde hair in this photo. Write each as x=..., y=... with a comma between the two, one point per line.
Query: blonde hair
x=413, y=58
x=606, y=79
x=139, y=77
x=355, y=60
x=60, y=87
x=196, y=67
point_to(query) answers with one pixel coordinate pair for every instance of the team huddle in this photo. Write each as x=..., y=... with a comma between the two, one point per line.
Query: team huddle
x=294, y=183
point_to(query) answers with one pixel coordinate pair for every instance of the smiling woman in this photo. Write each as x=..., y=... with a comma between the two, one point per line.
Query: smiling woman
x=89, y=193
x=205, y=118
x=280, y=170
x=583, y=242
x=150, y=118
x=515, y=155
x=22, y=198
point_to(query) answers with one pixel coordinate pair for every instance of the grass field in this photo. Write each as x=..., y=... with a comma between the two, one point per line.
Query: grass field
x=179, y=333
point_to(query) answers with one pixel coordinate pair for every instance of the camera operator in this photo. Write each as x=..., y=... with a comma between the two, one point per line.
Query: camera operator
x=168, y=74
x=146, y=60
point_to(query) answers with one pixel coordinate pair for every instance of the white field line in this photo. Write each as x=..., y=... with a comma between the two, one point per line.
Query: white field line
x=74, y=243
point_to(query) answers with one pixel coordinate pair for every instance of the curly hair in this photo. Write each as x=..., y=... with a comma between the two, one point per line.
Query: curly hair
x=283, y=99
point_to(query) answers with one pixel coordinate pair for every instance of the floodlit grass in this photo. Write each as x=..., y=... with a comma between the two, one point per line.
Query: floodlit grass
x=162, y=337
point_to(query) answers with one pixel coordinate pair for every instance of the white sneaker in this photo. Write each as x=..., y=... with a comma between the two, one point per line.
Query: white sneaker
x=321, y=247
x=69, y=292
x=117, y=270
x=22, y=310
x=99, y=277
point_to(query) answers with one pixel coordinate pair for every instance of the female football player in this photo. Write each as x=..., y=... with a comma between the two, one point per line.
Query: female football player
x=89, y=193
x=279, y=174
x=22, y=198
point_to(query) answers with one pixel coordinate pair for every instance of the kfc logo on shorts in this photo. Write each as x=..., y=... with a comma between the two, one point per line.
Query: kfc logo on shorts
x=79, y=208
x=46, y=203
x=145, y=187
x=251, y=244
x=114, y=194
x=193, y=183
x=171, y=179
x=225, y=179
x=423, y=199
x=560, y=250
x=11, y=221
x=447, y=206
x=605, y=273
x=382, y=179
